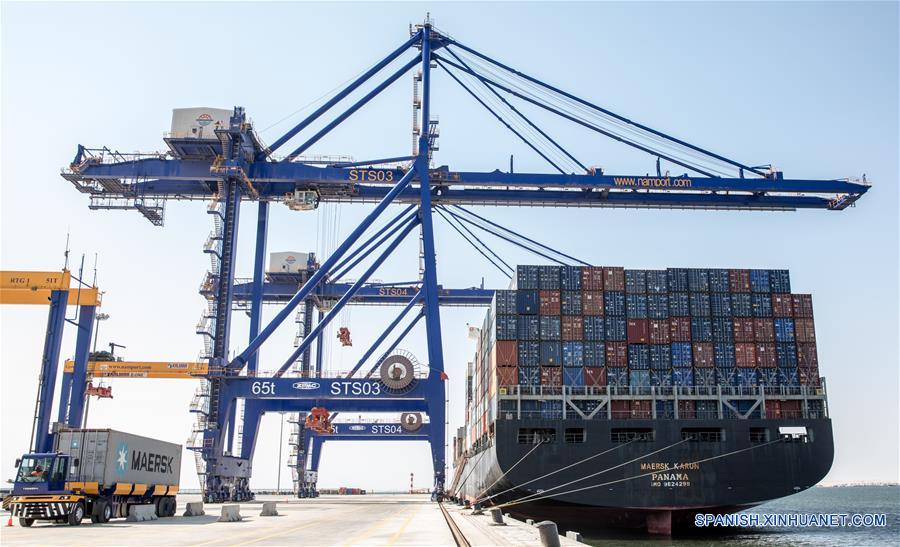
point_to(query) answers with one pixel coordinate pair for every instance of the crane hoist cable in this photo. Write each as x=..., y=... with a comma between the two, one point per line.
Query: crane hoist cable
x=476, y=247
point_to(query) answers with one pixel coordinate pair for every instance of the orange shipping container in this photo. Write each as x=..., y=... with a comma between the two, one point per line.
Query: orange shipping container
x=617, y=354
x=745, y=354
x=507, y=353
x=805, y=330
x=594, y=377
x=703, y=355
x=680, y=329
x=739, y=280
x=592, y=278
x=743, y=330
x=638, y=331
x=591, y=303
x=641, y=409
x=802, y=305
x=508, y=376
x=765, y=356
x=549, y=302
x=781, y=305
x=659, y=331
x=613, y=279
x=572, y=328
x=763, y=329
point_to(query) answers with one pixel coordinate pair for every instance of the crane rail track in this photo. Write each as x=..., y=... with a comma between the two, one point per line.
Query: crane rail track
x=458, y=536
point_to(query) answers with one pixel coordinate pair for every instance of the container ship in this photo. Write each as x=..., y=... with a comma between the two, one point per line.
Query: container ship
x=600, y=396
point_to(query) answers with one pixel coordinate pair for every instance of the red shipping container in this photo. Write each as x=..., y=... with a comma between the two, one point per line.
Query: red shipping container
x=802, y=304
x=687, y=410
x=508, y=376
x=764, y=329
x=703, y=355
x=638, y=331
x=507, y=353
x=805, y=330
x=613, y=279
x=680, y=329
x=591, y=303
x=549, y=302
x=659, y=331
x=594, y=377
x=739, y=280
x=592, y=278
x=621, y=410
x=572, y=328
x=745, y=355
x=807, y=356
x=773, y=409
x=765, y=356
x=743, y=329
x=787, y=410
x=641, y=410
x=808, y=376
x=617, y=354
x=781, y=305
x=551, y=376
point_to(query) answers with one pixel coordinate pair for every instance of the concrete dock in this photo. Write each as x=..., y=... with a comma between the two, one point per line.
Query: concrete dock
x=328, y=520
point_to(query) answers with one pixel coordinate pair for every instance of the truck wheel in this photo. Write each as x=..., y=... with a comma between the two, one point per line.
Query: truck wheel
x=26, y=523
x=106, y=512
x=173, y=506
x=77, y=514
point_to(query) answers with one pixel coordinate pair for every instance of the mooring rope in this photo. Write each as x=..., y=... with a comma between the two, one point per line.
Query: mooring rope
x=478, y=497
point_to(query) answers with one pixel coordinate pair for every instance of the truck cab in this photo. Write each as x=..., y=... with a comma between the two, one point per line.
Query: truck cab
x=41, y=473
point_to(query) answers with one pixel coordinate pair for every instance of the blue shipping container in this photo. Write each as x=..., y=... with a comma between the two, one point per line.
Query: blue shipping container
x=724, y=355
x=768, y=376
x=682, y=354
x=720, y=304
x=638, y=357
x=787, y=355
x=505, y=302
x=662, y=378
x=617, y=377
x=573, y=377
x=679, y=305
x=594, y=327
x=759, y=281
x=698, y=280
x=741, y=305
x=549, y=278
x=529, y=376
x=614, y=303
x=660, y=357
x=788, y=376
x=639, y=378
x=551, y=354
x=550, y=327
x=635, y=281
x=615, y=329
x=726, y=375
x=594, y=354
x=573, y=354
x=701, y=329
x=657, y=282
x=722, y=329
x=636, y=306
x=571, y=278
x=529, y=354
x=705, y=377
x=780, y=281
x=527, y=277
x=658, y=306
x=571, y=303
x=745, y=377
x=762, y=305
x=507, y=327
x=700, y=304
x=683, y=376
x=784, y=330
x=527, y=302
x=677, y=279
x=665, y=409
x=529, y=327
x=718, y=281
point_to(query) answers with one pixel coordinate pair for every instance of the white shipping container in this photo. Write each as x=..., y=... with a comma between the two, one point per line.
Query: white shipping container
x=199, y=123
x=287, y=262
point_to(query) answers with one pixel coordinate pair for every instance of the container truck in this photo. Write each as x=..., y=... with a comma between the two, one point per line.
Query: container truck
x=96, y=473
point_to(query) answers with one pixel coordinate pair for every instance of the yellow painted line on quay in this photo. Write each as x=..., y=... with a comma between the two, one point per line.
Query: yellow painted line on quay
x=399, y=532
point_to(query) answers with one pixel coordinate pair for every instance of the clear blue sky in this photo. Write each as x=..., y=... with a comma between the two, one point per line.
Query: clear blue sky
x=809, y=87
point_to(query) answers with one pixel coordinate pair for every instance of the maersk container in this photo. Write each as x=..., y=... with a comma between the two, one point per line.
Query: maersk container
x=705, y=377
x=677, y=279
x=683, y=376
x=635, y=281
x=573, y=354
x=807, y=356
x=530, y=376
x=614, y=279
x=658, y=306
x=594, y=376
x=701, y=329
x=763, y=329
x=781, y=305
x=617, y=377
x=570, y=278
x=507, y=353
x=594, y=354
x=549, y=302
x=591, y=278
x=719, y=281
x=616, y=354
x=660, y=356
x=551, y=354
x=571, y=303
x=765, y=356
x=639, y=378
x=573, y=377
x=659, y=331
x=657, y=282
x=745, y=354
x=802, y=305
x=592, y=302
x=614, y=303
x=550, y=327
x=527, y=277
x=551, y=376
x=637, y=331
x=548, y=278
x=784, y=330
x=720, y=304
x=679, y=304
x=682, y=354
x=527, y=302
x=529, y=353
x=636, y=306
x=507, y=327
x=661, y=378
x=780, y=281
x=528, y=328
x=615, y=328
x=680, y=329
x=108, y=457
x=743, y=330
x=724, y=355
x=505, y=302
x=638, y=357
x=572, y=327
x=722, y=329
x=703, y=355
x=594, y=327
x=761, y=305
x=745, y=377
x=698, y=280
x=741, y=305
x=507, y=376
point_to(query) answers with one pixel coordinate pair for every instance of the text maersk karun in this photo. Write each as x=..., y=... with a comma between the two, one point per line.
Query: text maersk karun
x=791, y=520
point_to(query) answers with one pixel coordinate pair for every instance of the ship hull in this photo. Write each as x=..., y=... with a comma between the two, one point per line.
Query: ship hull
x=636, y=483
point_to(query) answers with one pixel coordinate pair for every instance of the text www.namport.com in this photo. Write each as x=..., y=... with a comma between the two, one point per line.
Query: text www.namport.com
x=791, y=520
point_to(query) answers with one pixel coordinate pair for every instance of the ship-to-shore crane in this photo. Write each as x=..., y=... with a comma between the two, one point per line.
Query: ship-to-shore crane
x=235, y=166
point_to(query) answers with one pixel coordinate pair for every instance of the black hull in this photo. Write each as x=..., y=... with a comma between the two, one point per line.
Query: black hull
x=744, y=478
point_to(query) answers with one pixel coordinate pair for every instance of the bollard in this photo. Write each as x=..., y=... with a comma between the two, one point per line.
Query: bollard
x=230, y=513
x=268, y=509
x=194, y=509
x=549, y=534
x=140, y=513
x=497, y=517
x=575, y=536
x=529, y=522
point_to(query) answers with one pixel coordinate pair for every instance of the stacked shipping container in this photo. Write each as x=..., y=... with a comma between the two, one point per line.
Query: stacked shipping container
x=607, y=326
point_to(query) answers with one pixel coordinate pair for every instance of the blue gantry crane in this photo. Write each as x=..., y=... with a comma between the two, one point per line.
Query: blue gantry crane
x=226, y=164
